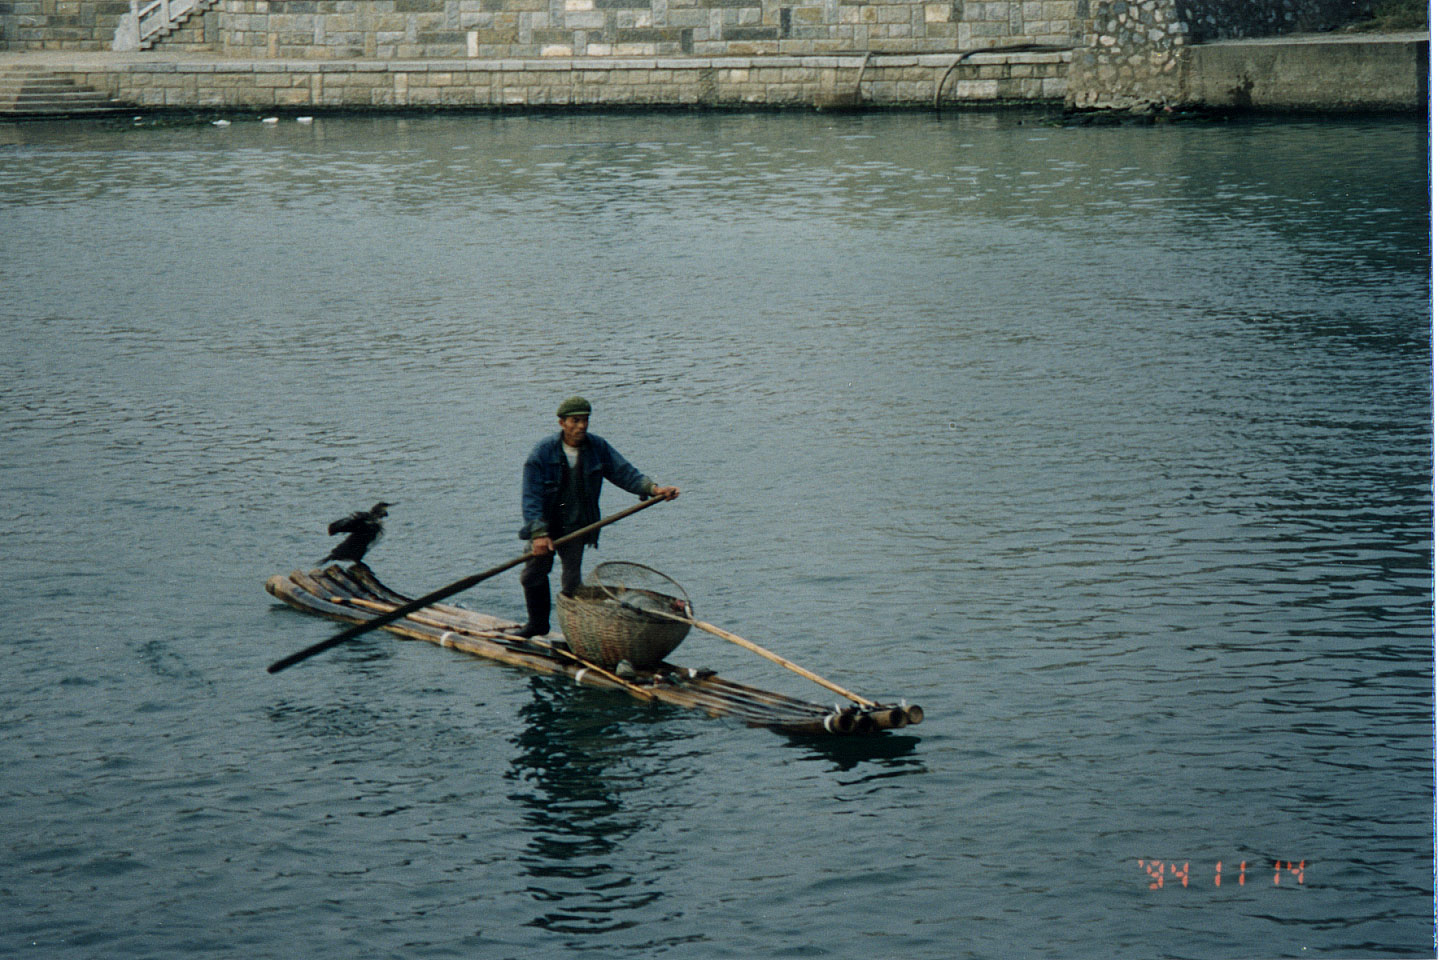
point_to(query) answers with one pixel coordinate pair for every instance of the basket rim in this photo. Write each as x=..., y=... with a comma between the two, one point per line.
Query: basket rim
x=597, y=579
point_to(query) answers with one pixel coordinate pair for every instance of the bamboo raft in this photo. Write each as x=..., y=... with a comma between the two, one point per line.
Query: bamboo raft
x=354, y=595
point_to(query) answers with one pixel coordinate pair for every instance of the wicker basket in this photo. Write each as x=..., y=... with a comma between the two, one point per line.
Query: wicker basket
x=606, y=632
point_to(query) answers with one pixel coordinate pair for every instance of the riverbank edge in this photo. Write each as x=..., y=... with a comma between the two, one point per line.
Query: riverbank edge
x=1357, y=73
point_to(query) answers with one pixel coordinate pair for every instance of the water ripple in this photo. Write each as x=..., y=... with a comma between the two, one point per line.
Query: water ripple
x=1111, y=448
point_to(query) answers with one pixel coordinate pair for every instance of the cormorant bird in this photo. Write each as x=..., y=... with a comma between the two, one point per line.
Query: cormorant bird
x=364, y=527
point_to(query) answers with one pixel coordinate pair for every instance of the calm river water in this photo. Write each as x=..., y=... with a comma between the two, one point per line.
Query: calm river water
x=1110, y=447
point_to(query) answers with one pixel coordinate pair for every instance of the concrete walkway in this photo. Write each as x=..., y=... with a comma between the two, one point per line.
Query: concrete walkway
x=101, y=59
x=1330, y=71
x=1322, y=72
x=1341, y=36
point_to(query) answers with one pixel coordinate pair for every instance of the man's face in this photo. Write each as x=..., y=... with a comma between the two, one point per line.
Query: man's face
x=573, y=429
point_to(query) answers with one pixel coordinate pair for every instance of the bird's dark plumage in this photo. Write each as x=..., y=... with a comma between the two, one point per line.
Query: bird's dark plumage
x=364, y=528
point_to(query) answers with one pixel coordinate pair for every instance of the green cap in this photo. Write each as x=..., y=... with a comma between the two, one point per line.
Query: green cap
x=574, y=407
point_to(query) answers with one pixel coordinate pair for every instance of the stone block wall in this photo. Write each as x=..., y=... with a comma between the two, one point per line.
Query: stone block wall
x=1134, y=50
x=471, y=29
x=59, y=24
x=468, y=29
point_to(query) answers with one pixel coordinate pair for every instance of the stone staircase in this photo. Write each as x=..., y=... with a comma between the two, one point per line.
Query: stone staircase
x=155, y=21
x=33, y=94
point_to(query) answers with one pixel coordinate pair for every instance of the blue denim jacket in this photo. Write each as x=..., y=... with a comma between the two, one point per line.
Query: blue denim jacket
x=544, y=474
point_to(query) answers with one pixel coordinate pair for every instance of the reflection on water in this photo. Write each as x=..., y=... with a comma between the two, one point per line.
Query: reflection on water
x=576, y=762
x=580, y=773
x=884, y=757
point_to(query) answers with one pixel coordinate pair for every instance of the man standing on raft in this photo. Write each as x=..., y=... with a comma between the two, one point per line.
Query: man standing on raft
x=560, y=493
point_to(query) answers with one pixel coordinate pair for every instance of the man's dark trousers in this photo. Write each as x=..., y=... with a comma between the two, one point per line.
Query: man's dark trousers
x=535, y=581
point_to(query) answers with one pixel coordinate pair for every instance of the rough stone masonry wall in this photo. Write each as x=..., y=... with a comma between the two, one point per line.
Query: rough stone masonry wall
x=1230, y=19
x=1133, y=55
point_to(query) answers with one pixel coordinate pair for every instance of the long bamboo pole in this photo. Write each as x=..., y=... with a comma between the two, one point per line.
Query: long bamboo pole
x=768, y=655
x=788, y=665
x=404, y=610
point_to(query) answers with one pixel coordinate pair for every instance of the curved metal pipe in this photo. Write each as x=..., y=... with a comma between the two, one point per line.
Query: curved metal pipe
x=1009, y=48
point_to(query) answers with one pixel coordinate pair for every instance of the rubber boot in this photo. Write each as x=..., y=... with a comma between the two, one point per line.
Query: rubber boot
x=537, y=610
